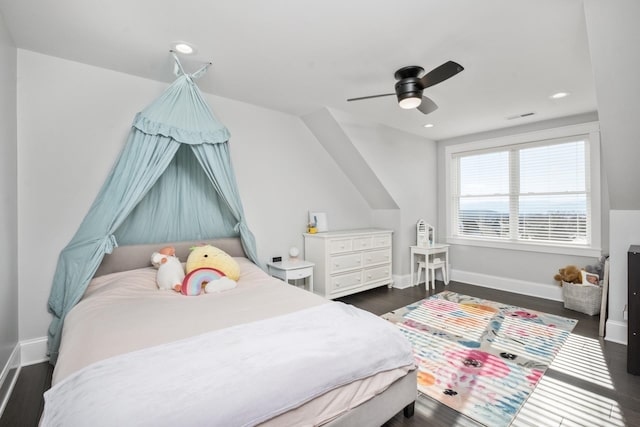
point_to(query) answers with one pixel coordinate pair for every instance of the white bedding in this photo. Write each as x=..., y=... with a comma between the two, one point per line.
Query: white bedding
x=276, y=364
x=125, y=312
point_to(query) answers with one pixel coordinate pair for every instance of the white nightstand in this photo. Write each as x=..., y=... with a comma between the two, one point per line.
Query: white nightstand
x=292, y=270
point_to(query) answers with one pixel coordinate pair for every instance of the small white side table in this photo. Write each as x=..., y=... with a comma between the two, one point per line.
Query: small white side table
x=292, y=270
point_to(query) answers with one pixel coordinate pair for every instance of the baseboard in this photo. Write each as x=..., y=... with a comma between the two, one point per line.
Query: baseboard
x=522, y=287
x=33, y=351
x=8, y=377
x=616, y=332
x=401, y=281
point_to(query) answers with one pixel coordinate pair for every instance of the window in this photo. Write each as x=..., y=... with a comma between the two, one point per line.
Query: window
x=529, y=192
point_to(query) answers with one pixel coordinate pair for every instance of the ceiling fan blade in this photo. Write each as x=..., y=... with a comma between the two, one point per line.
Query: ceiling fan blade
x=440, y=74
x=370, y=96
x=427, y=106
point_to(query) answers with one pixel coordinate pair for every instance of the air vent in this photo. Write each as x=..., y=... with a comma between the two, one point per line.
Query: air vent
x=519, y=116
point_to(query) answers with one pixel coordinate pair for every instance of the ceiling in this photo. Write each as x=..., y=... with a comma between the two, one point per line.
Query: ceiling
x=301, y=56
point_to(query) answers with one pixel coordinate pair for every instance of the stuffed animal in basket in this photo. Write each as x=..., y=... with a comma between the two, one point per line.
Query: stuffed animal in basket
x=569, y=274
x=597, y=268
x=212, y=268
x=170, y=272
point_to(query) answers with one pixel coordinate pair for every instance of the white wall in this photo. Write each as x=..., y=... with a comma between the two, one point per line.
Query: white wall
x=614, y=45
x=614, y=37
x=529, y=273
x=406, y=165
x=72, y=123
x=625, y=231
x=8, y=200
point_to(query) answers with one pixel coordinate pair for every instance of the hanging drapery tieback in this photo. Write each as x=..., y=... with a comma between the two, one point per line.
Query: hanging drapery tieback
x=110, y=244
x=178, y=70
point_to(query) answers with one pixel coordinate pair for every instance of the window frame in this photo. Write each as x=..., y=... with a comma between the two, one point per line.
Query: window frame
x=590, y=130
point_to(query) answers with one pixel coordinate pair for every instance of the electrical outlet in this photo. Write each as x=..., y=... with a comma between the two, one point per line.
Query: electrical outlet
x=276, y=259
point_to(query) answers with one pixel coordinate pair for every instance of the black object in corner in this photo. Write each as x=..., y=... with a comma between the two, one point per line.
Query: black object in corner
x=633, y=310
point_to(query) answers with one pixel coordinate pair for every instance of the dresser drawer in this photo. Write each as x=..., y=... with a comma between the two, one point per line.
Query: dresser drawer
x=377, y=273
x=346, y=281
x=361, y=243
x=345, y=262
x=349, y=261
x=382, y=241
x=337, y=246
x=377, y=257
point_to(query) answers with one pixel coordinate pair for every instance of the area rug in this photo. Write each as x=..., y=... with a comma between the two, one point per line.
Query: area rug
x=481, y=358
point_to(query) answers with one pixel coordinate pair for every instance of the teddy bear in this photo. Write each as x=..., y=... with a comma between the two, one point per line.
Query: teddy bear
x=597, y=268
x=170, y=272
x=569, y=274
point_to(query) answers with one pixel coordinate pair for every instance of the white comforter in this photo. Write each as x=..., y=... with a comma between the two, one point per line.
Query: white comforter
x=275, y=364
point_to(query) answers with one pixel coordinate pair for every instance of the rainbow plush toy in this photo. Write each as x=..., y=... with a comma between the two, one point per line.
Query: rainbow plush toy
x=211, y=279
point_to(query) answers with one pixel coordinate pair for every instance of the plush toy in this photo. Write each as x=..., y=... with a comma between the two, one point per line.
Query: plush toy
x=210, y=279
x=597, y=268
x=207, y=256
x=569, y=274
x=170, y=272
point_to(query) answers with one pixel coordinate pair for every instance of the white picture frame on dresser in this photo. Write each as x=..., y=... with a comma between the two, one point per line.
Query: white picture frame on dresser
x=349, y=261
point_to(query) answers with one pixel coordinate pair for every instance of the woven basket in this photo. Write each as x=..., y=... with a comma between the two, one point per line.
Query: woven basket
x=583, y=298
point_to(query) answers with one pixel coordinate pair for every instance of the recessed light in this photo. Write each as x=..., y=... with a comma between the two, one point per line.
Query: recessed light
x=559, y=95
x=184, y=48
x=429, y=125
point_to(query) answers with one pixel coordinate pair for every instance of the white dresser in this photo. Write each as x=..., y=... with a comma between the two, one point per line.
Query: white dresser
x=349, y=261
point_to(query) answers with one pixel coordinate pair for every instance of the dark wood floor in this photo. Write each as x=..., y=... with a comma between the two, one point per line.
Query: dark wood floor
x=587, y=384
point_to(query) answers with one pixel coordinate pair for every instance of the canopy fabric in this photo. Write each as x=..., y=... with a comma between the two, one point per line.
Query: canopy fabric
x=182, y=198
x=156, y=193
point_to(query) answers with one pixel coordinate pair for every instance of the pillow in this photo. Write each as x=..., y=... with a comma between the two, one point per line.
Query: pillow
x=207, y=256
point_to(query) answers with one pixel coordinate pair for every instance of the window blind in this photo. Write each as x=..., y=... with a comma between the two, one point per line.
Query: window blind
x=536, y=192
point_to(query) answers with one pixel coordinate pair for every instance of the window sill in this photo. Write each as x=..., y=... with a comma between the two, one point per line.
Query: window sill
x=528, y=247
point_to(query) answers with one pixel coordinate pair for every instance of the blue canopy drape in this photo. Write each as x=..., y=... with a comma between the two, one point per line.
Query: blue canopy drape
x=172, y=181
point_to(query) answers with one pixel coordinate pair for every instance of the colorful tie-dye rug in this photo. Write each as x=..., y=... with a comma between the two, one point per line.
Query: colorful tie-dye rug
x=479, y=357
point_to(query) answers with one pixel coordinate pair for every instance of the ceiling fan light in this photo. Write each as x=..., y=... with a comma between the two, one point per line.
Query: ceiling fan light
x=410, y=102
x=184, y=48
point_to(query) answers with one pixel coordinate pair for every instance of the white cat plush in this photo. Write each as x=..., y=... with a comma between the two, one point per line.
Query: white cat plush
x=170, y=271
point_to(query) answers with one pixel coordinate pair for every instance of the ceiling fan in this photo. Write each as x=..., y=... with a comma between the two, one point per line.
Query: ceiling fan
x=410, y=85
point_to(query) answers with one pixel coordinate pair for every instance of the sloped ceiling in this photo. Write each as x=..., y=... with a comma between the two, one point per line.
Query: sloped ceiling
x=331, y=135
x=302, y=56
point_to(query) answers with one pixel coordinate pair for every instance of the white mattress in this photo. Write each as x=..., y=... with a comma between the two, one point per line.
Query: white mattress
x=123, y=312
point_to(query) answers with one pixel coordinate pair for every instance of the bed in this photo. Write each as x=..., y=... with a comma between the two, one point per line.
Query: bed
x=265, y=353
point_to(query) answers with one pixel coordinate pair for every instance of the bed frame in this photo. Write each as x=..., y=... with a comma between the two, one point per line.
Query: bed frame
x=400, y=395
